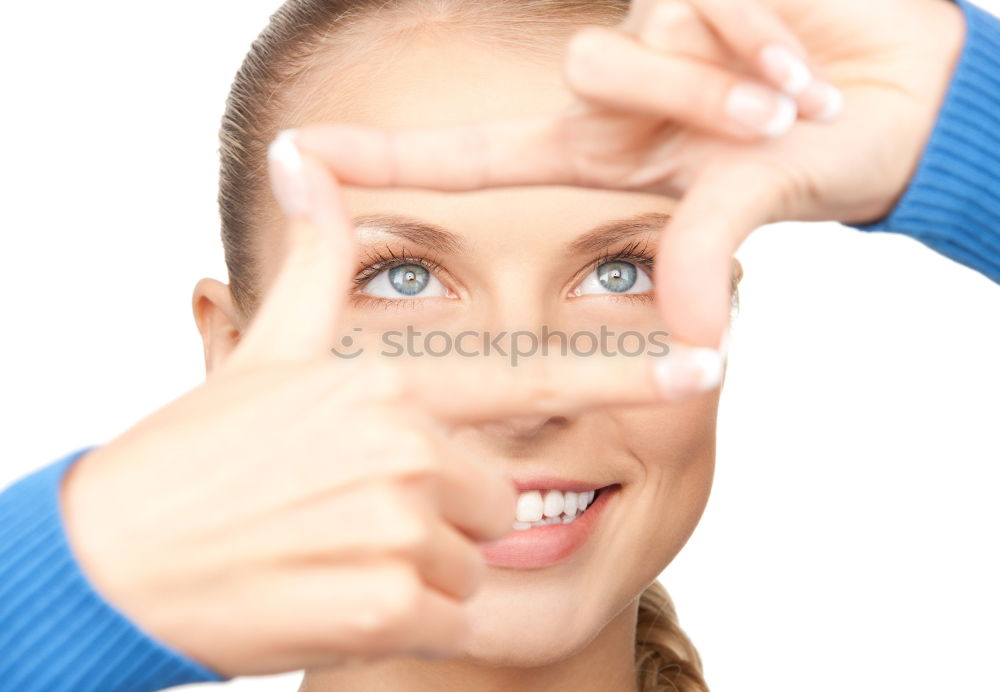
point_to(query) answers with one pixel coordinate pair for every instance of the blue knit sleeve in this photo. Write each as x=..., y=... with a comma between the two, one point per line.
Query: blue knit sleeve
x=952, y=203
x=57, y=634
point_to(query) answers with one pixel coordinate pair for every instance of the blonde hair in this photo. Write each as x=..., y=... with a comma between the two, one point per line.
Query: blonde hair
x=665, y=659
x=258, y=107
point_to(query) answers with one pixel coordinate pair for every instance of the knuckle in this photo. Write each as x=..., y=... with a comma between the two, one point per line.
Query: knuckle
x=409, y=538
x=385, y=382
x=586, y=41
x=380, y=625
x=583, y=63
x=403, y=591
x=397, y=526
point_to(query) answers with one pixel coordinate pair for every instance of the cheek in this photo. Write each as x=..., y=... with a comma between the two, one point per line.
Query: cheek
x=675, y=448
x=666, y=441
x=665, y=456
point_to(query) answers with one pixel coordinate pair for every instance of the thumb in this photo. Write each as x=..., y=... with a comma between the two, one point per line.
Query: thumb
x=694, y=264
x=300, y=312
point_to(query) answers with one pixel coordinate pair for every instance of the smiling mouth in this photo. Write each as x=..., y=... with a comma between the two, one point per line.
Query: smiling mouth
x=550, y=540
x=537, y=508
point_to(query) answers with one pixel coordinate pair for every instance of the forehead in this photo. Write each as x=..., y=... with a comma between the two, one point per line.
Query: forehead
x=436, y=80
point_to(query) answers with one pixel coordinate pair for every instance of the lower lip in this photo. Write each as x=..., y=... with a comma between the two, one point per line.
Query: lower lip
x=542, y=546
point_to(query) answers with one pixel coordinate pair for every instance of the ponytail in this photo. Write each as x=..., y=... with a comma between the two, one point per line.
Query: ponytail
x=665, y=659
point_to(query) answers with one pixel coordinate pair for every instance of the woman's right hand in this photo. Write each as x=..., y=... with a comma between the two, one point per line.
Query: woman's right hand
x=296, y=509
x=682, y=99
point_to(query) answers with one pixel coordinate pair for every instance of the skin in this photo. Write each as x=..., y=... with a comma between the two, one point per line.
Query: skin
x=227, y=553
x=573, y=623
x=891, y=61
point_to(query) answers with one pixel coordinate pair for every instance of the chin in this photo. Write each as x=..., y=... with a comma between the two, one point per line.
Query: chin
x=530, y=618
x=524, y=645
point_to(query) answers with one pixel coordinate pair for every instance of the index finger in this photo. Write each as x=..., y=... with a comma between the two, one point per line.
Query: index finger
x=498, y=153
x=467, y=390
x=305, y=298
x=694, y=259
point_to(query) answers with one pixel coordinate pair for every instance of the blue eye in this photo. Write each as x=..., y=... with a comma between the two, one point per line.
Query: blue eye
x=615, y=277
x=409, y=279
x=405, y=281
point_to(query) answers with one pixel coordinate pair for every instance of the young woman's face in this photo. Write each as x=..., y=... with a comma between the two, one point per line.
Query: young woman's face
x=520, y=258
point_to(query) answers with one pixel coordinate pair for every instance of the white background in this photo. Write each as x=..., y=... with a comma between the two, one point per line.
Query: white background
x=851, y=538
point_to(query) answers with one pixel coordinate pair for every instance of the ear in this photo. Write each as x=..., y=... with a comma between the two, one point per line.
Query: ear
x=737, y=273
x=218, y=321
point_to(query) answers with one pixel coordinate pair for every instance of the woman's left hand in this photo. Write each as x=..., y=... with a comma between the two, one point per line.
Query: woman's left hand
x=685, y=98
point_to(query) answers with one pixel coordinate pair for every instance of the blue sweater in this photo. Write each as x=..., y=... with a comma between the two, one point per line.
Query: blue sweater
x=952, y=203
x=58, y=634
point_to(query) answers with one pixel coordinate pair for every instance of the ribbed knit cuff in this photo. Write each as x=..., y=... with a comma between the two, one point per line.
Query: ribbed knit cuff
x=57, y=634
x=952, y=203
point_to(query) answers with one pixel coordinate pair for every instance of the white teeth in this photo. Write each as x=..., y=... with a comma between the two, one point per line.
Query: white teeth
x=529, y=506
x=547, y=507
x=553, y=503
x=570, y=506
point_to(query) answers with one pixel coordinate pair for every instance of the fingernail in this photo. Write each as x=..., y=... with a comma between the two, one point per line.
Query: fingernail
x=763, y=110
x=831, y=98
x=288, y=179
x=785, y=68
x=690, y=371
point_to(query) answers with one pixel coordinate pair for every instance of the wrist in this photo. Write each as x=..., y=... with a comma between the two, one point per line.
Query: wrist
x=952, y=203
x=945, y=22
x=56, y=632
x=95, y=512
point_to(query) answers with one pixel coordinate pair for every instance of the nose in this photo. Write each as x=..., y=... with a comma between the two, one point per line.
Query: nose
x=521, y=427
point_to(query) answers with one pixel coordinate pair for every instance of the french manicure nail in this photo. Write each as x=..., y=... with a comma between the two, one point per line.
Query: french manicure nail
x=786, y=68
x=763, y=110
x=689, y=371
x=288, y=179
x=834, y=100
x=823, y=101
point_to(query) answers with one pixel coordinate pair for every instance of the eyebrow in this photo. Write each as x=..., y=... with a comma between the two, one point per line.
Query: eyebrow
x=422, y=233
x=436, y=238
x=615, y=231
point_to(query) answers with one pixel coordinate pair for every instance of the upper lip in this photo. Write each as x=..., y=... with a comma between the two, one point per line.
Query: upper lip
x=553, y=483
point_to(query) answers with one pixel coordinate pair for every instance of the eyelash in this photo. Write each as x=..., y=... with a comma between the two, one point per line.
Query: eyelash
x=379, y=262
x=637, y=252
